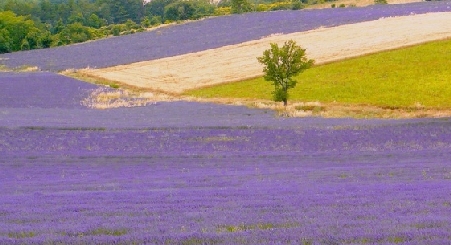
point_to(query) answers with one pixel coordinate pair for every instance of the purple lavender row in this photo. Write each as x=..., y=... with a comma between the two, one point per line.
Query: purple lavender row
x=229, y=141
x=42, y=90
x=226, y=200
x=206, y=34
x=172, y=115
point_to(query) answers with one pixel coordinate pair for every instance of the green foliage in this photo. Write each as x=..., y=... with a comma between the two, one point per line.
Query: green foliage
x=297, y=4
x=279, y=6
x=76, y=18
x=181, y=10
x=94, y=21
x=240, y=6
x=157, y=8
x=156, y=20
x=5, y=41
x=224, y=4
x=122, y=10
x=46, y=39
x=185, y=10
x=117, y=29
x=76, y=33
x=16, y=32
x=32, y=39
x=25, y=45
x=403, y=78
x=19, y=7
x=380, y=1
x=203, y=8
x=222, y=11
x=281, y=64
x=57, y=27
x=145, y=22
x=130, y=24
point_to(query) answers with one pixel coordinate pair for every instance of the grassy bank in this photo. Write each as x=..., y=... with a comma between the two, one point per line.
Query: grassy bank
x=417, y=76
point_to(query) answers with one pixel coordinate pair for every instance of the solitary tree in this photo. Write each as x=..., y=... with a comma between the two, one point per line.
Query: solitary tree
x=281, y=64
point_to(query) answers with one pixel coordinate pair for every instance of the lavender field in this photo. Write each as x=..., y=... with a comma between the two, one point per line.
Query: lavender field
x=206, y=34
x=191, y=173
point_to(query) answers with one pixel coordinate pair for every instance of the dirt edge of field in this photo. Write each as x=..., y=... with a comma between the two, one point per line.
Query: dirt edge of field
x=127, y=96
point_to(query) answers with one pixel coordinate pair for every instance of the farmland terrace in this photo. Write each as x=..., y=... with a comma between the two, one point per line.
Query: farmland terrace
x=193, y=173
x=180, y=172
x=206, y=34
x=44, y=99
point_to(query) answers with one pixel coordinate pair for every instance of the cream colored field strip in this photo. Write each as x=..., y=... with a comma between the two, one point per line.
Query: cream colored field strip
x=236, y=62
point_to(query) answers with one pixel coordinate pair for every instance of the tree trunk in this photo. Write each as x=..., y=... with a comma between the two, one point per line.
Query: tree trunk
x=285, y=96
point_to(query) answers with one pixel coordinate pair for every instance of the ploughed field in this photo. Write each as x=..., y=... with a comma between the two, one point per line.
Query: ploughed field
x=192, y=173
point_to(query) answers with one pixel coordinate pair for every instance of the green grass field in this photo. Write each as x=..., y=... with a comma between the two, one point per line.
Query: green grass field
x=418, y=75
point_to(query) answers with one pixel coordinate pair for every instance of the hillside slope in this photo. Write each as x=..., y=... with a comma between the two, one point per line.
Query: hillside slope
x=237, y=62
x=206, y=34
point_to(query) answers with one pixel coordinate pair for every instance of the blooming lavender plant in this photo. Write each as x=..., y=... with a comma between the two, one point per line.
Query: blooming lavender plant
x=192, y=173
x=41, y=90
x=206, y=34
x=382, y=184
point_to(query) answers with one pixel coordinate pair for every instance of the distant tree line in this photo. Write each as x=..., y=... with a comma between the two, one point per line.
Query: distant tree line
x=34, y=24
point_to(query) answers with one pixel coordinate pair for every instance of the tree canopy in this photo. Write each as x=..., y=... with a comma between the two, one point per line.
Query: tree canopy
x=281, y=64
x=17, y=32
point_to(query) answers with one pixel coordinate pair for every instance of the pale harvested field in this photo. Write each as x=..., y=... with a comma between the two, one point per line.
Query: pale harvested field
x=358, y=3
x=174, y=75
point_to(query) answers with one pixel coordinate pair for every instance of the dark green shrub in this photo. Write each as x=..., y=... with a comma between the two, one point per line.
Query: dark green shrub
x=116, y=30
x=156, y=20
x=25, y=45
x=145, y=22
